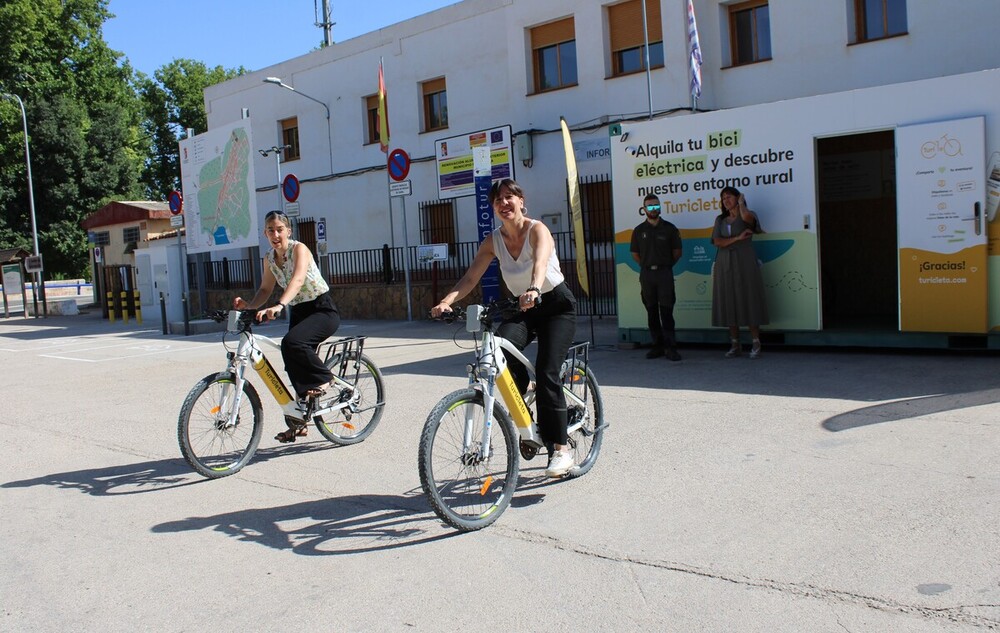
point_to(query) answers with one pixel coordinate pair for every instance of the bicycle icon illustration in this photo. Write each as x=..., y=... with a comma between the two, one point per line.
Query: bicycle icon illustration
x=944, y=145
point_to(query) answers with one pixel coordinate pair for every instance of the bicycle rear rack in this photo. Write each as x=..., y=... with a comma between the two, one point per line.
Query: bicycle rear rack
x=341, y=352
x=578, y=352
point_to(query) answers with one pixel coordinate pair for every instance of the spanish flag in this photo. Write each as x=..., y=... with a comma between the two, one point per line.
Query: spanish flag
x=575, y=207
x=383, y=112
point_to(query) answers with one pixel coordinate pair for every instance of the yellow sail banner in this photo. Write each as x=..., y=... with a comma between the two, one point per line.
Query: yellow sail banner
x=576, y=207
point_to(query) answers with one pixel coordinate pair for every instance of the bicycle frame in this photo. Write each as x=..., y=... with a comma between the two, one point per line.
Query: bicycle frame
x=248, y=353
x=491, y=372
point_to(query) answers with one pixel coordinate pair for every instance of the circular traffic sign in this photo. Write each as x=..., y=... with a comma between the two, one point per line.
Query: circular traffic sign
x=290, y=188
x=176, y=201
x=399, y=165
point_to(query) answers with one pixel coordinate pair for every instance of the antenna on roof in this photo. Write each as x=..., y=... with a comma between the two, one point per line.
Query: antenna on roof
x=325, y=24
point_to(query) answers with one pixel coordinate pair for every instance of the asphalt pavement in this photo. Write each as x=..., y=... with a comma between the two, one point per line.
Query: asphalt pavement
x=808, y=490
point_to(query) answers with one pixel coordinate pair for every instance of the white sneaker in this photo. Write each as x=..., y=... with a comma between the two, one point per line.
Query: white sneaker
x=560, y=464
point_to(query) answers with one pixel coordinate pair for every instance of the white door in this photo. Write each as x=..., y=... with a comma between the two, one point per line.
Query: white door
x=144, y=280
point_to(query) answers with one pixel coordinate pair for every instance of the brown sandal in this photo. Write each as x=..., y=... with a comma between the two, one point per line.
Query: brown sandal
x=286, y=437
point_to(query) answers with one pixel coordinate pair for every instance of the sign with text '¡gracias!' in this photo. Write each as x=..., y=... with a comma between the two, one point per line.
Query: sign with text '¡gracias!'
x=686, y=161
x=453, y=157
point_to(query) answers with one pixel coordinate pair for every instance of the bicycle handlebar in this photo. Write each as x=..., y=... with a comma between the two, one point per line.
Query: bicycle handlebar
x=244, y=321
x=490, y=311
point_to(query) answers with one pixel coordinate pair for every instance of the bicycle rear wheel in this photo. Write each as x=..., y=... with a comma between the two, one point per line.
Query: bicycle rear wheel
x=585, y=423
x=467, y=490
x=355, y=422
x=212, y=446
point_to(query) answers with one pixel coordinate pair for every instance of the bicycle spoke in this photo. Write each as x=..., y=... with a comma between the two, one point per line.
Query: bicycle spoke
x=467, y=490
x=209, y=442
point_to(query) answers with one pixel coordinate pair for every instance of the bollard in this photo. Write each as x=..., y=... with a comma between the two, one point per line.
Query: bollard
x=124, y=298
x=111, y=307
x=163, y=313
x=137, y=306
x=187, y=321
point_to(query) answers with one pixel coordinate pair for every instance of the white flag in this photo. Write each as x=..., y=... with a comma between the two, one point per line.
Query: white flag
x=695, y=51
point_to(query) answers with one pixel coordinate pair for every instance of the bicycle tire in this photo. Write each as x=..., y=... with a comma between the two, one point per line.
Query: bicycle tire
x=464, y=492
x=211, y=449
x=352, y=425
x=587, y=439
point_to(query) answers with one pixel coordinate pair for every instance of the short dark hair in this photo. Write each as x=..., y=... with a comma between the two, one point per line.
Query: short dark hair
x=650, y=196
x=511, y=185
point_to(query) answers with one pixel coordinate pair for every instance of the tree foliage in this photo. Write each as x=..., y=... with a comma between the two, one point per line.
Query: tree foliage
x=98, y=130
x=172, y=103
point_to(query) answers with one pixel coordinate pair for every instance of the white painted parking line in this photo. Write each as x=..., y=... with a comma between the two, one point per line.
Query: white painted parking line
x=118, y=357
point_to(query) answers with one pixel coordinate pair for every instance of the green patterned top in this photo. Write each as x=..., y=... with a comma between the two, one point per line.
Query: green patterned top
x=312, y=287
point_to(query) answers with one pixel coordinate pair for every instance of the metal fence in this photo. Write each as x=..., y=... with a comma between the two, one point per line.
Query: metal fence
x=385, y=265
x=225, y=274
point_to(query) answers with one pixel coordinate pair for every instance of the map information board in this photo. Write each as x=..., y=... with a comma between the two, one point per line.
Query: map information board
x=220, y=203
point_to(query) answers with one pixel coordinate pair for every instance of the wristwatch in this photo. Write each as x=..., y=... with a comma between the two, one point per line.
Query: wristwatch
x=283, y=306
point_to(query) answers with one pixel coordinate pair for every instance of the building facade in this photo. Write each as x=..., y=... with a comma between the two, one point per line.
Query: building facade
x=492, y=64
x=480, y=64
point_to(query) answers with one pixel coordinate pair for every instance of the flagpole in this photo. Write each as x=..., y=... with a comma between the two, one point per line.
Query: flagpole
x=645, y=40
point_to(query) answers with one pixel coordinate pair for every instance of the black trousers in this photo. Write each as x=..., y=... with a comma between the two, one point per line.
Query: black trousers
x=310, y=323
x=553, y=323
x=657, y=292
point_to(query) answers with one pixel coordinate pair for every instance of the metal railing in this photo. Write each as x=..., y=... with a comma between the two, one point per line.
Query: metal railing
x=385, y=265
x=225, y=274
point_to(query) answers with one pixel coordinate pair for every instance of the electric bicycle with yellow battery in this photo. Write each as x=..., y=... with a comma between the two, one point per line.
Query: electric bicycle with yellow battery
x=472, y=439
x=222, y=419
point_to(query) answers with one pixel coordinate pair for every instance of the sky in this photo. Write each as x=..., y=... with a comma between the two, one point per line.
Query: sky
x=249, y=33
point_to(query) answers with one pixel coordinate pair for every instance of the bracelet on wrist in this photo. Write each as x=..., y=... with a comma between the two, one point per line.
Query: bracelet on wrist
x=535, y=288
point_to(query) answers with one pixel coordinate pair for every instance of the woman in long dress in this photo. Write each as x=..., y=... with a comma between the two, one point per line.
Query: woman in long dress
x=737, y=285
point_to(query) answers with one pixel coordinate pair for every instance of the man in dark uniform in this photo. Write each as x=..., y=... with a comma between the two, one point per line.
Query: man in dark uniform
x=656, y=247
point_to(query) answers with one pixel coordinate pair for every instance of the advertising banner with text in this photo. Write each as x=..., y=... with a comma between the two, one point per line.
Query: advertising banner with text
x=768, y=152
x=940, y=170
x=455, y=165
x=686, y=161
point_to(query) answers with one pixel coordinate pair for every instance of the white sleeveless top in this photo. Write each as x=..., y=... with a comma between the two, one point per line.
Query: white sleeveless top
x=517, y=272
x=312, y=287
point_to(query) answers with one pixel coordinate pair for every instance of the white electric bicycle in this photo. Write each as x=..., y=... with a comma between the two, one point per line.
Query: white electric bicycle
x=473, y=438
x=221, y=420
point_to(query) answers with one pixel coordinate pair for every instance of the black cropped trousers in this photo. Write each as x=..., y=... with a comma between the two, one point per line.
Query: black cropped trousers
x=553, y=323
x=310, y=323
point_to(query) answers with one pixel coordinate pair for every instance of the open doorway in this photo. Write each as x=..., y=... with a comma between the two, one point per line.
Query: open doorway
x=856, y=224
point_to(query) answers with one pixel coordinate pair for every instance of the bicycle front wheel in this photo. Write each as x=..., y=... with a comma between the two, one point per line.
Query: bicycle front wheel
x=214, y=441
x=585, y=422
x=468, y=489
x=356, y=421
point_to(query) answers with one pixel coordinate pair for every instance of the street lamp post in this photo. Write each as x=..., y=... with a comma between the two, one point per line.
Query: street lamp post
x=276, y=150
x=329, y=134
x=31, y=200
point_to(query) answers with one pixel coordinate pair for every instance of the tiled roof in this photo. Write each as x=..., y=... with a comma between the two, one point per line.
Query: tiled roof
x=125, y=212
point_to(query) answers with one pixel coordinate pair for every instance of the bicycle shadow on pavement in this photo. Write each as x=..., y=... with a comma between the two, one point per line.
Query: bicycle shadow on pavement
x=151, y=476
x=352, y=524
x=127, y=479
x=910, y=408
